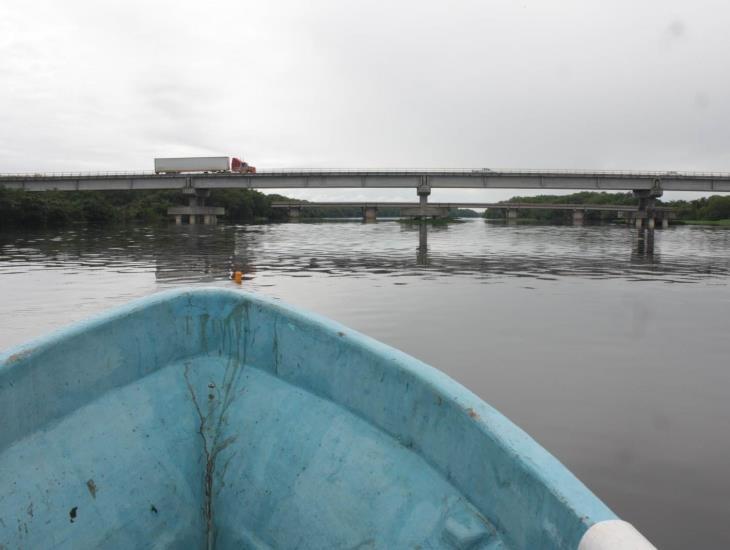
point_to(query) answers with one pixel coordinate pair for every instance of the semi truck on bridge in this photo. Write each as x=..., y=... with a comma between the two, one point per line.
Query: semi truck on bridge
x=205, y=165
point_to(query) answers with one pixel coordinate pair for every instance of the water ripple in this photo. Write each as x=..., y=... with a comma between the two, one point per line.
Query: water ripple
x=382, y=250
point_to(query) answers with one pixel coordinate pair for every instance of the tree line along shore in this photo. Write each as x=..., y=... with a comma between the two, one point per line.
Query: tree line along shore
x=714, y=210
x=57, y=208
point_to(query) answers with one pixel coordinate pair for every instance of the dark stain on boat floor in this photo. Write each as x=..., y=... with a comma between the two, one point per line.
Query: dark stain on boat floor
x=92, y=488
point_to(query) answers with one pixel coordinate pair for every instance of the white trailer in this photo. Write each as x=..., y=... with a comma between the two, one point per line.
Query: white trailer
x=192, y=164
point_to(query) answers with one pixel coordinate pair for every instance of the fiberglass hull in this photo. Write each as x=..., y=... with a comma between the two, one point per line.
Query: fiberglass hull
x=214, y=418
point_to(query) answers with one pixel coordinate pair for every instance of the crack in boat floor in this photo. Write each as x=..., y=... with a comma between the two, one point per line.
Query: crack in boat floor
x=210, y=433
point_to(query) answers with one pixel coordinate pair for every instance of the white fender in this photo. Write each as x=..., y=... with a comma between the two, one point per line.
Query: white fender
x=614, y=534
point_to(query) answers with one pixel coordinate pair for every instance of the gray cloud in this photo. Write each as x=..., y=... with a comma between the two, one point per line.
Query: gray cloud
x=676, y=28
x=564, y=84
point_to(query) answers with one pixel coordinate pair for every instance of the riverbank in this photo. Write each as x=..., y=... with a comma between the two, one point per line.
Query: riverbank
x=714, y=210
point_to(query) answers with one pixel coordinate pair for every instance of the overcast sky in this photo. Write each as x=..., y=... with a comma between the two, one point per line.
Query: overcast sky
x=109, y=85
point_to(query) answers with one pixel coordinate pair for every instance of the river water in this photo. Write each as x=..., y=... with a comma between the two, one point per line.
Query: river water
x=611, y=351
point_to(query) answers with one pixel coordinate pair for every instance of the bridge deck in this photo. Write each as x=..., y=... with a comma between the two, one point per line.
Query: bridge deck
x=298, y=179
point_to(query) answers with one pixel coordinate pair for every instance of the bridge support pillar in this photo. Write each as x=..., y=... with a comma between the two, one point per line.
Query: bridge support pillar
x=647, y=203
x=196, y=211
x=197, y=196
x=423, y=190
x=511, y=215
x=578, y=217
x=295, y=213
x=665, y=222
x=369, y=213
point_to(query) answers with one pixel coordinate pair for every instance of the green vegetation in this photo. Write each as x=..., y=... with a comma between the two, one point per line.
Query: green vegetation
x=714, y=210
x=246, y=205
x=463, y=213
x=57, y=208
x=565, y=216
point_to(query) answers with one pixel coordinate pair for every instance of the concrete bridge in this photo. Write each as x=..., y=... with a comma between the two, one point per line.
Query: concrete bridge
x=441, y=209
x=421, y=180
x=645, y=185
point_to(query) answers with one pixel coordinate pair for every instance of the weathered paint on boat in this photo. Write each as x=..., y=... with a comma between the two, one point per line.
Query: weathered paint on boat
x=214, y=418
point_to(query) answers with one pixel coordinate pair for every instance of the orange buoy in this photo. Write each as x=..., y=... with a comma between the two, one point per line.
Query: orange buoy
x=238, y=277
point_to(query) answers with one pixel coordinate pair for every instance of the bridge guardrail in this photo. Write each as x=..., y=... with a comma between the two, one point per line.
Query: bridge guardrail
x=77, y=174
x=389, y=171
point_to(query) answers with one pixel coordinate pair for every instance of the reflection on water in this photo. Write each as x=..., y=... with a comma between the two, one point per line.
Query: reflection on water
x=474, y=248
x=572, y=332
x=422, y=255
x=644, y=245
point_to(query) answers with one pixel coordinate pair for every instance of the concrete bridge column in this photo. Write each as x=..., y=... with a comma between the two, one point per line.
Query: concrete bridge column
x=196, y=214
x=294, y=213
x=423, y=190
x=578, y=216
x=647, y=204
x=369, y=213
x=511, y=215
x=196, y=198
x=665, y=222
